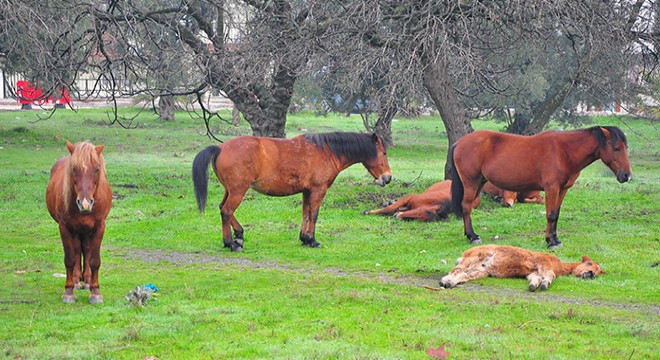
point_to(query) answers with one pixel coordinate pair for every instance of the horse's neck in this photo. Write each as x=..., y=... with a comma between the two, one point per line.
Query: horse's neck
x=581, y=147
x=566, y=268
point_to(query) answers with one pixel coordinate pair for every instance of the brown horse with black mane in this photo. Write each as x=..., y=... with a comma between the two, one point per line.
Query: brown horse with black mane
x=306, y=164
x=550, y=161
x=79, y=198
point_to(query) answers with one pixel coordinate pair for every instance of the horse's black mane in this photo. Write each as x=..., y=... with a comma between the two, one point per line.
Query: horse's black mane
x=352, y=146
x=615, y=135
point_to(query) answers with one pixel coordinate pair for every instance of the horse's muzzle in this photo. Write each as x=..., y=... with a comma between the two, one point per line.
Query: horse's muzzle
x=623, y=176
x=85, y=206
x=589, y=275
x=383, y=180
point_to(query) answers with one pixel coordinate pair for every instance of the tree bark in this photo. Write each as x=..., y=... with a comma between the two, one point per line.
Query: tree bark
x=166, y=107
x=437, y=82
x=383, y=127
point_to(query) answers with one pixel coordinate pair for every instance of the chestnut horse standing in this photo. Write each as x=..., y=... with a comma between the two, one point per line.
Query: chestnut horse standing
x=509, y=198
x=306, y=164
x=79, y=198
x=432, y=205
x=503, y=261
x=550, y=161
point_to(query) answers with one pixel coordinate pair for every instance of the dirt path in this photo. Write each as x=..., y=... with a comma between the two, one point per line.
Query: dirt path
x=180, y=258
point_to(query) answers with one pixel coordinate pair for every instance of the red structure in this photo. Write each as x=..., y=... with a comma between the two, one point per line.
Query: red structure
x=28, y=95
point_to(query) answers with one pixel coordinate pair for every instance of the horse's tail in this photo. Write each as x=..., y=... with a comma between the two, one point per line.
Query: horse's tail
x=457, y=190
x=200, y=173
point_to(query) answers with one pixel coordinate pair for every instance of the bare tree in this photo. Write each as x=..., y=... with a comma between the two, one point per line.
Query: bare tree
x=250, y=50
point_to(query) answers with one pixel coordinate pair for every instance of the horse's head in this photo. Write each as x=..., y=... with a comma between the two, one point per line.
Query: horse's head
x=613, y=148
x=378, y=166
x=587, y=269
x=509, y=198
x=86, y=167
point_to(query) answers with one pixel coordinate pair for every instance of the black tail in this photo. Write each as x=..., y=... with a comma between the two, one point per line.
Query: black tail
x=200, y=173
x=457, y=190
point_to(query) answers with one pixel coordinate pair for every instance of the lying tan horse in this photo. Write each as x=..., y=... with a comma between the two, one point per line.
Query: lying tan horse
x=509, y=198
x=432, y=205
x=511, y=262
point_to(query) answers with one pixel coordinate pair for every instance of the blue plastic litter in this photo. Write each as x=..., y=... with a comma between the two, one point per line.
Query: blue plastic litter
x=151, y=287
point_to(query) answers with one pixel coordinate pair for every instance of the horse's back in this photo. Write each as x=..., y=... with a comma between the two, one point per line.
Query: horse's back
x=509, y=161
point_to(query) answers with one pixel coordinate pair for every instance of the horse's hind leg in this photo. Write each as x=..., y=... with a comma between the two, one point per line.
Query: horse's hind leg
x=231, y=201
x=235, y=225
x=392, y=208
x=86, y=271
x=311, y=203
x=471, y=193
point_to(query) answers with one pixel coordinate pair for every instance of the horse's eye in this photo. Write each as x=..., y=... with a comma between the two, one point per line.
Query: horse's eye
x=98, y=169
x=590, y=263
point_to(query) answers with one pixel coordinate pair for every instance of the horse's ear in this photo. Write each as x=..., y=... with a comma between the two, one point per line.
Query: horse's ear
x=605, y=132
x=70, y=146
x=585, y=258
x=99, y=148
x=375, y=138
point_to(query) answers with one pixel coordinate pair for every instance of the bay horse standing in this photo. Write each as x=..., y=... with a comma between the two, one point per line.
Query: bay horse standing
x=502, y=261
x=432, y=205
x=306, y=164
x=79, y=199
x=550, y=161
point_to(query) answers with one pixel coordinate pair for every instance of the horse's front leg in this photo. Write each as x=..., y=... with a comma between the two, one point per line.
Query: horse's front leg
x=71, y=246
x=93, y=260
x=553, y=200
x=311, y=203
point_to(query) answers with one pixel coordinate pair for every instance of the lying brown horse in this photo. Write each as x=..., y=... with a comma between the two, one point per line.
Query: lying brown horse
x=509, y=198
x=79, y=198
x=306, y=164
x=432, y=205
x=550, y=161
x=511, y=262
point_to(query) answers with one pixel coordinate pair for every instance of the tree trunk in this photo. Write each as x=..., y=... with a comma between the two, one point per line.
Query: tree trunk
x=265, y=109
x=383, y=127
x=166, y=107
x=437, y=82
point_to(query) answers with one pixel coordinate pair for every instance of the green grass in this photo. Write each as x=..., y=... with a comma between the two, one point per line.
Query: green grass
x=358, y=297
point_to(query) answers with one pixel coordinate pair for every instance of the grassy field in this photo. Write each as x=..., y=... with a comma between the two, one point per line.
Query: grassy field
x=360, y=296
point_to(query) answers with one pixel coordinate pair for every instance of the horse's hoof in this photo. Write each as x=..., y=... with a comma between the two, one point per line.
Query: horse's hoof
x=236, y=248
x=476, y=241
x=69, y=299
x=313, y=244
x=95, y=299
x=532, y=287
x=544, y=286
x=365, y=212
x=555, y=246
